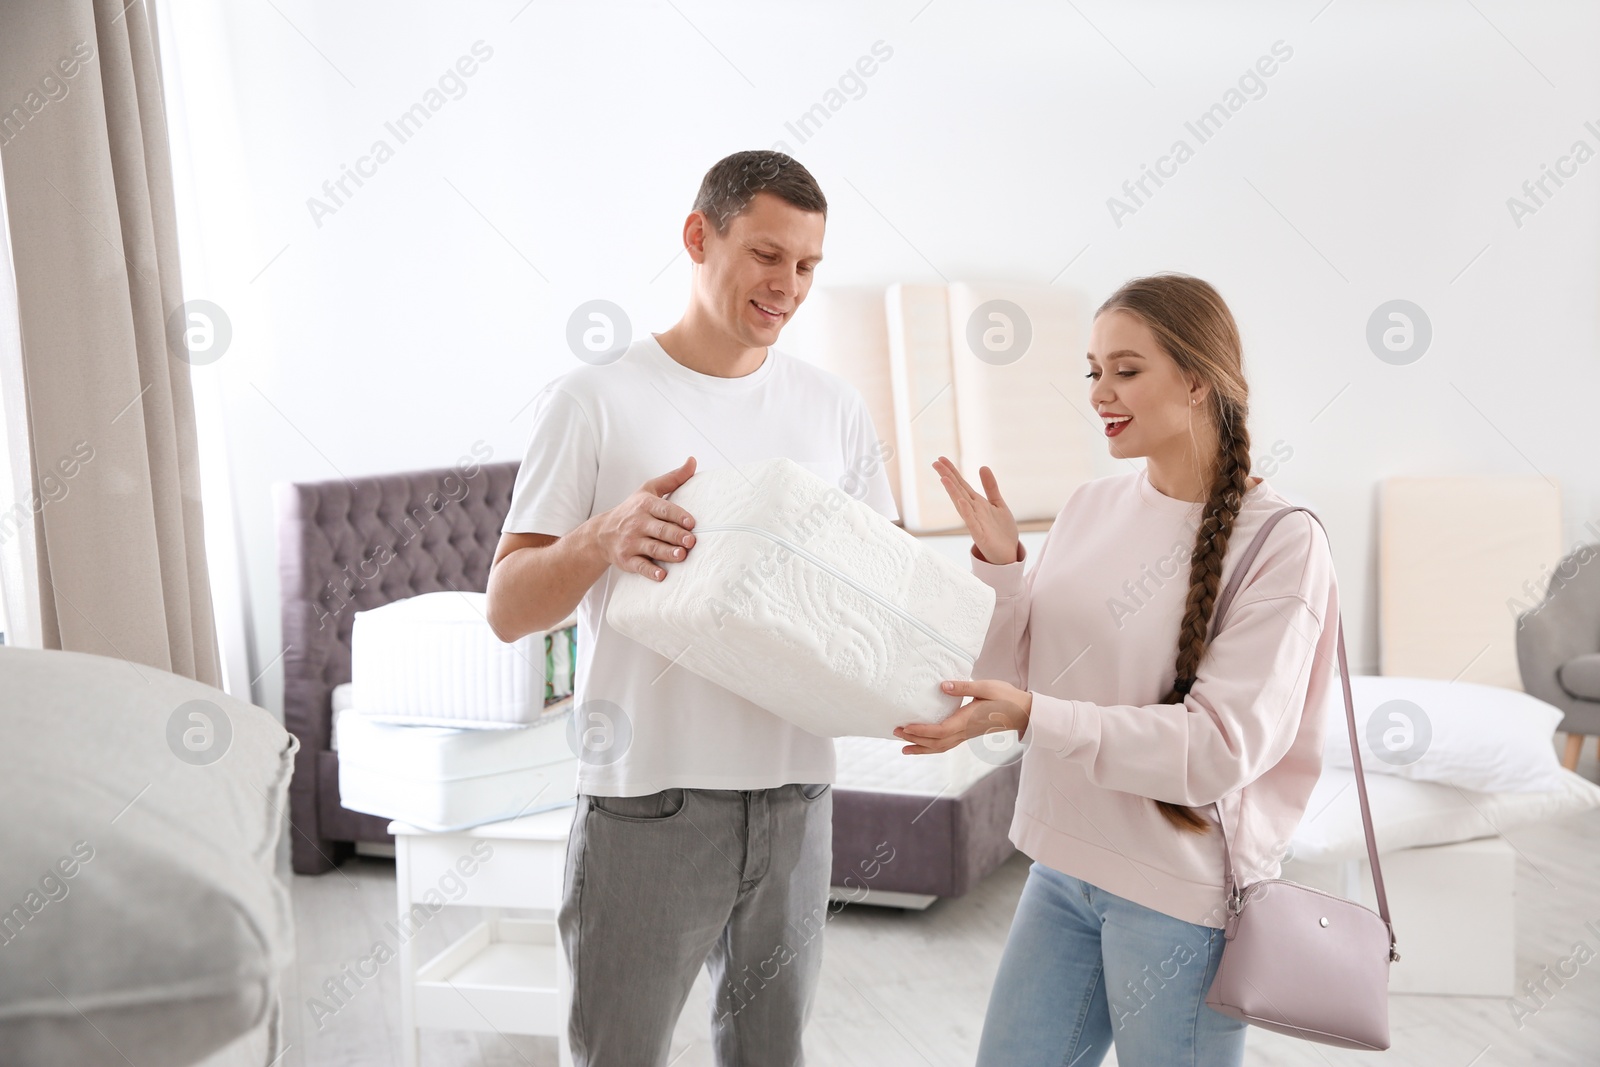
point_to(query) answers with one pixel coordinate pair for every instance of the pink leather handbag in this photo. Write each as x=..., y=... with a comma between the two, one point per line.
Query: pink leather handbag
x=1297, y=960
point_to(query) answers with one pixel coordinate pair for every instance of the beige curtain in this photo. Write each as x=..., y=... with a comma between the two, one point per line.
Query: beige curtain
x=114, y=509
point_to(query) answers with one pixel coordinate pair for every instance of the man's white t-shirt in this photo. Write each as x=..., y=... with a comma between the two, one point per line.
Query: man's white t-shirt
x=599, y=433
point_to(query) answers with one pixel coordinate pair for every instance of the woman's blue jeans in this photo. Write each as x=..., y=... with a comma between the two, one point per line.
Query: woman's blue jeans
x=1084, y=968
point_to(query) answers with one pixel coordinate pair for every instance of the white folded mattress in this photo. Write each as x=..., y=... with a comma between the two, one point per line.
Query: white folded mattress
x=1014, y=412
x=449, y=779
x=876, y=765
x=809, y=603
x=432, y=659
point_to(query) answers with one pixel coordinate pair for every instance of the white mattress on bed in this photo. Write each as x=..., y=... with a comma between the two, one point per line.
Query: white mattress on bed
x=448, y=779
x=876, y=765
x=809, y=603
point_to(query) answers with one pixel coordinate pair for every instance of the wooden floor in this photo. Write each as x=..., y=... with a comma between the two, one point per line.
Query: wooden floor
x=908, y=988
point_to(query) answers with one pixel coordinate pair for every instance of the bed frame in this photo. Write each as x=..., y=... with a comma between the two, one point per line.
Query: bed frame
x=348, y=545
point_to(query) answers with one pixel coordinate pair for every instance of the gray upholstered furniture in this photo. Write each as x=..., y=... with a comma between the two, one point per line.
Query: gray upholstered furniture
x=144, y=920
x=348, y=545
x=1558, y=647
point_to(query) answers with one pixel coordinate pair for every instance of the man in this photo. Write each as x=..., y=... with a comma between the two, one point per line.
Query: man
x=703, y=829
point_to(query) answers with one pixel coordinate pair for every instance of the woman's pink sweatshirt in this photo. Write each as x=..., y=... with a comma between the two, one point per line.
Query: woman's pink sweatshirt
x=1092, y=630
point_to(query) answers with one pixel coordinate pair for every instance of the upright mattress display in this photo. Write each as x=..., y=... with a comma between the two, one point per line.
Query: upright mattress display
x=1446, y=575
x=1016, y=365
x=918, y=318
x=852, y=330
x=808, y=603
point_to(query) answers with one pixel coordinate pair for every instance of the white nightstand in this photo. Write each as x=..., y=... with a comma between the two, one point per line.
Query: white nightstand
x=505, y=974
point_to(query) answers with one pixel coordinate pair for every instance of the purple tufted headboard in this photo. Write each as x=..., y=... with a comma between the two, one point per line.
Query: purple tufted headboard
x=344, y=546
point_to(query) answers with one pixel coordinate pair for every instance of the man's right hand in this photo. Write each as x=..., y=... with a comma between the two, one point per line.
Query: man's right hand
x=646, y=527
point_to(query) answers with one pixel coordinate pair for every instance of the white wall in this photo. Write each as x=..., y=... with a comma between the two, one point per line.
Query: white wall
x=422, y=315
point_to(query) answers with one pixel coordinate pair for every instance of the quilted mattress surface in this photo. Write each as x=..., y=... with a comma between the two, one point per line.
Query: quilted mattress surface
x=433, y=659
x=808, y=603
x=448, y=779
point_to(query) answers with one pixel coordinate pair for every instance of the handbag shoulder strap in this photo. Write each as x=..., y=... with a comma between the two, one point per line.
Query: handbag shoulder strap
x=1223, y=601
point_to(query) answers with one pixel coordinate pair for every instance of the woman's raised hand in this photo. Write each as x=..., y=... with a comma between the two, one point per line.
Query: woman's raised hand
x=988, y=519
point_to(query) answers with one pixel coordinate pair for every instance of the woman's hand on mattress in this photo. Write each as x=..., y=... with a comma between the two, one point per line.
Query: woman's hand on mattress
x=988, y=518
x=996, y=705
x=646, y=527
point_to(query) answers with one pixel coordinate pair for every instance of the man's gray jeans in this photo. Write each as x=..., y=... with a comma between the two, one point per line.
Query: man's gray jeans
x=657, y=885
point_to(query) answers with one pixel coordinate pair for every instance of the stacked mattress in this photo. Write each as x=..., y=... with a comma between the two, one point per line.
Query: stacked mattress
x=432, y=660
x=449, y=779
x=810, y=604
x=445, y=726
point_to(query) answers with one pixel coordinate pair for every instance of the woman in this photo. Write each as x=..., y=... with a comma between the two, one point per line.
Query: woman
x=1135, y=721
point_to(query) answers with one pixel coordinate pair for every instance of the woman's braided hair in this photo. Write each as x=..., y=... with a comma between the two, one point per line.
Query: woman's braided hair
x=1194, y=327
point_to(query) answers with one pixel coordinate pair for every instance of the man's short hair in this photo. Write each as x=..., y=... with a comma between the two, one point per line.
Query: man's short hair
x=732, y=183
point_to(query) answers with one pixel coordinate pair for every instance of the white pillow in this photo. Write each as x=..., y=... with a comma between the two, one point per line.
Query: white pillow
x=1413, y=814
x=144, y=921
x=1480, y=737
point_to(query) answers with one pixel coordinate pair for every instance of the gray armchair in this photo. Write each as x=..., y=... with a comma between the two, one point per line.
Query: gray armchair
x=1558, y=647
